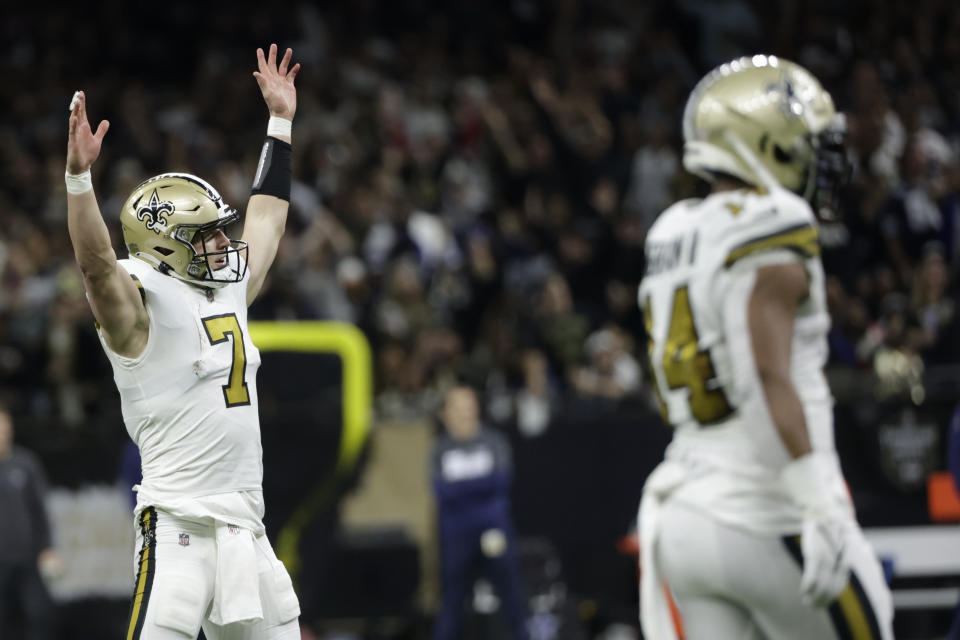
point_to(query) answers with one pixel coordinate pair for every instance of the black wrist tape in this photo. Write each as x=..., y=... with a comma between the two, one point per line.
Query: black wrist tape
x=273, y=171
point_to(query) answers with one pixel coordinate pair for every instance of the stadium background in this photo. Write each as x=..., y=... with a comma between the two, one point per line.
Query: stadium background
x=472, y=187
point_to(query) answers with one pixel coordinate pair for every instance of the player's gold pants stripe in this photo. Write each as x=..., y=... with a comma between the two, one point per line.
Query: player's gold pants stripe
x=852, y=615
x=141, y=597
x=801, y=239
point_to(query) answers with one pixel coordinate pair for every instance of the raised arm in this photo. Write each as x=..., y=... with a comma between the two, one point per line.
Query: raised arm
x=266, y=214
x=113, y=296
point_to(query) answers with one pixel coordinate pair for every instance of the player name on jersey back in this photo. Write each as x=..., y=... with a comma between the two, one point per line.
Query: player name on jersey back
x=662, y=256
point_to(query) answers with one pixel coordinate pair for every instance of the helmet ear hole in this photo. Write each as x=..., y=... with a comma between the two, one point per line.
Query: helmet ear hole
x=781, y=155
x=163, y=250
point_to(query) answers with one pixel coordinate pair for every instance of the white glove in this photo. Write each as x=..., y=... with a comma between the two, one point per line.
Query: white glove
x=828, y=529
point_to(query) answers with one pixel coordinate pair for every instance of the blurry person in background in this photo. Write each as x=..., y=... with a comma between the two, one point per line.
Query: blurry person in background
x=536, y=396
x=172, y=320
x=933, y=304
x=611, y=372
x=913, y=217
x=25, y=546
x=472, y=475
x=748, y=521
x=558, y=326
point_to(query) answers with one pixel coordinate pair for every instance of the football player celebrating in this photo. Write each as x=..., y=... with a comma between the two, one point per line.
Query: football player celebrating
x=172, y=319
x=747, y=521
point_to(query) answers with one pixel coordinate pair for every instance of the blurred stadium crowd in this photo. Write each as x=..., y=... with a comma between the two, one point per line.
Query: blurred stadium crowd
x=473, y=180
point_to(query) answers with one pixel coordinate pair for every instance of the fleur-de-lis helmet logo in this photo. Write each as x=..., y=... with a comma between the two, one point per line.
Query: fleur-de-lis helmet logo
x=787, y=96
x=155, y=213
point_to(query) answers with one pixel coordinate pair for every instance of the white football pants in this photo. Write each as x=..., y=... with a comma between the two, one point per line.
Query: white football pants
x=176, y=569
x=730, y=584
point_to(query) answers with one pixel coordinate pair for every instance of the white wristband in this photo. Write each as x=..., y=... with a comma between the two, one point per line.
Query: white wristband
x=279, y=127
x=80, y=183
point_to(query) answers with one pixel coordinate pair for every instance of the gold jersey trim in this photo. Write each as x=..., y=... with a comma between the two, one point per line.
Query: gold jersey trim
x=801, y=239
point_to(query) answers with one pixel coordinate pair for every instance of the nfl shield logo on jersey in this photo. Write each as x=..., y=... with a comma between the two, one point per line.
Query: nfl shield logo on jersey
x=184, y=539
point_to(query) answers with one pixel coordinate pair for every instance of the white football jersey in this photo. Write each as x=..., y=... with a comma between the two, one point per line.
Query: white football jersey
x=702, y=258
x=189, y=401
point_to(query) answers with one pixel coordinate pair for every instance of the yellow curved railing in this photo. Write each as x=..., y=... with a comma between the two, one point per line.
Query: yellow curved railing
x=349, y=343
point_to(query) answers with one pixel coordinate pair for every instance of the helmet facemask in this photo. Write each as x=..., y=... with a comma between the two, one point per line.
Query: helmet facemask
x=202, y=266
x=833, y=170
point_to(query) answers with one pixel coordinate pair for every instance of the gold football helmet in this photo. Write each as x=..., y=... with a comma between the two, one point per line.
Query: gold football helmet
x=766, y=121
x=164, y=217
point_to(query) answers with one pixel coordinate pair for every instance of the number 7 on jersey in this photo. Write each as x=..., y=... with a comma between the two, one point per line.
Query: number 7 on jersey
x=218, y=329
